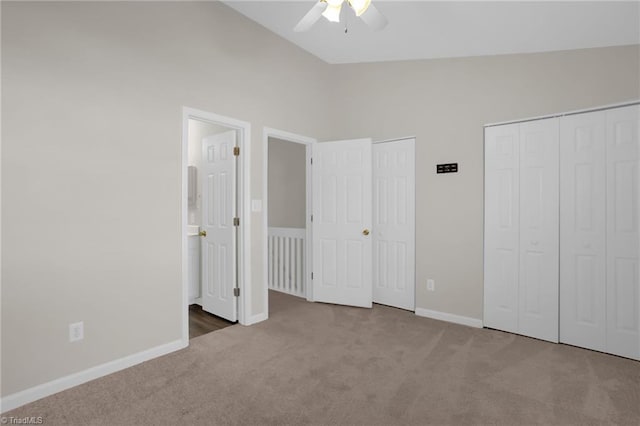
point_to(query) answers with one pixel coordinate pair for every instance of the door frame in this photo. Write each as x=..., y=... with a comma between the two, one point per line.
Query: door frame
x=243, y=193
x=268, y=132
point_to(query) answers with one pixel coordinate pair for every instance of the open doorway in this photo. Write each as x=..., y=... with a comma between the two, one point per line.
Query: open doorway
x=346, y=181
x=213, y=212
x=287, y=218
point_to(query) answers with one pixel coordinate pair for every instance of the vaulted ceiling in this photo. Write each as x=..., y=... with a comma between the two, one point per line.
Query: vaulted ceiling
x=437, y=29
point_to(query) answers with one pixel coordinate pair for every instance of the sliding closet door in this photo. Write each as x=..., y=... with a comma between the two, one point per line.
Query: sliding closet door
x=501, y=235
x=538, y=277
x=582, y=231
x=623, y=286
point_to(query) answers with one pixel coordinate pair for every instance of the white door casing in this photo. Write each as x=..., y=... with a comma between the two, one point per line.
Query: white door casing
x=342, y=215
x=539, y=204
x=501, y=234
x=394, y=223
x=218, y=211
x=583, y=231
x=623, y=238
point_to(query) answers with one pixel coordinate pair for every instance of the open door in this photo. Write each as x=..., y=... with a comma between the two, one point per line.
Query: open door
x=394, y=241
x=218, y=231
x=342, y=207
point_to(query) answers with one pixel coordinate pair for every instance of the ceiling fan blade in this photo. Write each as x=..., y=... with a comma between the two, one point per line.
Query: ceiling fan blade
x=374, y=18
x=311, y=17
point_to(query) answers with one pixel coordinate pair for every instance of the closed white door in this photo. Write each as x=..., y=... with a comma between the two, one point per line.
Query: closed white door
x=623, y=238
x=394, y=223
x=501, y=233
x=539, y=203
x=218, y=212
x=582, y=231
x=342, y=210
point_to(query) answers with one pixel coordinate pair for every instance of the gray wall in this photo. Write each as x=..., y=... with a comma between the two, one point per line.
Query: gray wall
x=445, y=104
x=92, y=96
x=287, y=184
x=91, y=167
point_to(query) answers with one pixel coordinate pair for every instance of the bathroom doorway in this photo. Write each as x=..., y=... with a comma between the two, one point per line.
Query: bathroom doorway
x=213, y=222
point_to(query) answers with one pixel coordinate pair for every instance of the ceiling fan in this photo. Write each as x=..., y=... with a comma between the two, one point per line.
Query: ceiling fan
x=331, y=9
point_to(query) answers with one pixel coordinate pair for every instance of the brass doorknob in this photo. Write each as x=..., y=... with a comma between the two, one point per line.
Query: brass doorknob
x=365, y=232
x=202, y=233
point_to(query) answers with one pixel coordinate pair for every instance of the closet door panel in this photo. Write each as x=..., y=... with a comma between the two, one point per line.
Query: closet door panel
x=538, y=245
x=501, y=227
x=582, y=231
x=623, y=238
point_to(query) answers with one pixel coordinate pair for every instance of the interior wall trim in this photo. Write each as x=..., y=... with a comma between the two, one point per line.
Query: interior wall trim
x=444, y=316
x=564, y=114
x=35, y=393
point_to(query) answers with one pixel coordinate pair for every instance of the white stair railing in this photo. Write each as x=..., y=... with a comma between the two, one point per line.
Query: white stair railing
x=286, y=248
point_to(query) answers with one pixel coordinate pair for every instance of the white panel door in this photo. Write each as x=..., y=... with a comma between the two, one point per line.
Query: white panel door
x=501, y=233
x=623, y=238
x=218, y=210
x=539, y=204
x=342, y=209
x=394, y=223
x=583, y=231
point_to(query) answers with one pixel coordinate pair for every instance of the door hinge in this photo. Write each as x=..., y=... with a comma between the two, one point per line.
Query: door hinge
x=236, y=221
x=311, y=160
x=236, y=150
x=312, y=275
x=236, y=291
x=311, y=218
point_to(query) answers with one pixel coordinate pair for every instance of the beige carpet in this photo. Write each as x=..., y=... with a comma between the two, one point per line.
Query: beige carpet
x=324, y=364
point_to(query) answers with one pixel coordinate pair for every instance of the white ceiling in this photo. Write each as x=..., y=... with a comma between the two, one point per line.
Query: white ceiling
x=430, y=29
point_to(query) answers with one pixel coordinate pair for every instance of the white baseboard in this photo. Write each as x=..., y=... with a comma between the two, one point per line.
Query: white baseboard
x=443, y=316
x=257, y=318
x=26, y=396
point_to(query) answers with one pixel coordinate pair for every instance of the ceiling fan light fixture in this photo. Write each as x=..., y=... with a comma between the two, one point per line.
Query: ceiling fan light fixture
x=332, y=12
x=359, y=6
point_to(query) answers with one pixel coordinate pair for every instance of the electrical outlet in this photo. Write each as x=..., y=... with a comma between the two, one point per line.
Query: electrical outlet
x=76, y=331
x=431, y=285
